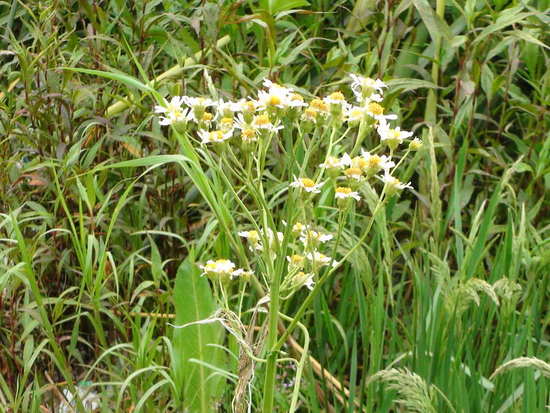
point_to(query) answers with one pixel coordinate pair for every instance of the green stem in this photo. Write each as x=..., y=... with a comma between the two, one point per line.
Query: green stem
x=322, y=280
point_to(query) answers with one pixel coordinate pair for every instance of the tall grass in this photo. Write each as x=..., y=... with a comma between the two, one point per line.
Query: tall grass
x=440, y=306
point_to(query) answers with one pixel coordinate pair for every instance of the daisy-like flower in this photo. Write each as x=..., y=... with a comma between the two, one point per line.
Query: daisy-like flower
x=173, y=111
x=198, y=102
x=256, y=238
x=344, y=192
x=376, y=111
x=296, y=260
x=249, y=133
x=226, y=109
x=392, y=137
x=218, y=267
x=332, y=162
x=314, y=237
x=354, y=173
x=298, y=227
x=336, y=98
x=242, y=274
x=262, y=121
x=365, y=87
x=307, y=185
x=295, y=100
x=246, y=106
x=393, y=184
x=374, y=163
x=355, y=113
x=318, y=259
x=216, y=136
x=320, y=106
x=310, y=115
x=303, y=279
x=274, y=98
x=226, y=123
x=253, y=237
x=415, y=144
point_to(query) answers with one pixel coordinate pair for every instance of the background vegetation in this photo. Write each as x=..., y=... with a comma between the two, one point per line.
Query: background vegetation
x=89, y=254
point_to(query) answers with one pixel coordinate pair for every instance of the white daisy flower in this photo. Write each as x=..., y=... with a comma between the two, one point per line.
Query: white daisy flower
x=320, y=106
x=355, y=113
x=415, y=144
x=246, y=106
x=393, y=137
x=336, y=98
x=218, y=267
x=307, y=185
x=299, y=227
x=173, y=110
x=318, y=259
x=295, y=100
x=354, y=173
x=343, y=192
x=253, y=237
x=249, y=133
x=376, y=111
x=303, y=279
x=393, y=184
x=365, y=86
x=375, y=163
x=240, y=273
x=277, y=98
x=226, y=108
x=296, y=260
x=216, y=136
x=263, y=122
x=198, y=102
x=311, y=236
x=332, y=162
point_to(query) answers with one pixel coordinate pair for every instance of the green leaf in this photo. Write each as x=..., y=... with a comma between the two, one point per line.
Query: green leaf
x=407, y=85
x=194, y=301
x=435, y=24
x=121, y=77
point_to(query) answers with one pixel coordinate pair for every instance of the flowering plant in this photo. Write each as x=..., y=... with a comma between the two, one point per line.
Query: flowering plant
x=288, y=162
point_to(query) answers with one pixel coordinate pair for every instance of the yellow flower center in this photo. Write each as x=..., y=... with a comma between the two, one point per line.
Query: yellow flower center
x=274, y=100
x=248, y=133
x=343, y=190
x=356, y=113
x=337, y=96
x=393, y=134
x=250, y=106
x=211, y=266
x=216, y=135
x=226, y=121
x=375, y=108
x=374, y=162
x=307, y=183
x=296, y=259
x=352, y=171
x=318, y=104
x=359, y=162
x=253, y=236
x=207, y=117
x=296, y=97
x=262, y=120
x=298, y=227
x=310, y=113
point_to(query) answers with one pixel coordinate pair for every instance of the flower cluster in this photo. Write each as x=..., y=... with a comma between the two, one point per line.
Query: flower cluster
x=223, y=270
x=330, y=129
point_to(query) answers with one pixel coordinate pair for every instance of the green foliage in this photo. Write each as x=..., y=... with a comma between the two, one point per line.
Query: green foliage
x=194, y=345
x=446, y=296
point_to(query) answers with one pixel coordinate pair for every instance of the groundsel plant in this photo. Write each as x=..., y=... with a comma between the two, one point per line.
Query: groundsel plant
x=288, y=170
